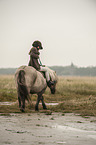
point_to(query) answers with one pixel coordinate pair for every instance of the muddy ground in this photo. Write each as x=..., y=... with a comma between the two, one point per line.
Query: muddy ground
x=41, y=128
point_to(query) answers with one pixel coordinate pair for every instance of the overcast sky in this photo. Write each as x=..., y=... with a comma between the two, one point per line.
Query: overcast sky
x=66, y=28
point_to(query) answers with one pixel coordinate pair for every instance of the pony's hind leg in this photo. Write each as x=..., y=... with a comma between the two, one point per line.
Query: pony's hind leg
x=22, y=108
x=19, y=100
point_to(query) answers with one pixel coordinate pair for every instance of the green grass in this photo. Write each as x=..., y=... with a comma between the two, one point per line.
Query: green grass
x=74, y=94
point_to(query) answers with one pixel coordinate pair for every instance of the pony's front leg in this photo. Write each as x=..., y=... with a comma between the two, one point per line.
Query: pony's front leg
x=43, y=104
x=37, y=103
x=40, y=97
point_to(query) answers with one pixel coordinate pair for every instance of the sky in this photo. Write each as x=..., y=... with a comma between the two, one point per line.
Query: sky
x=66, y=29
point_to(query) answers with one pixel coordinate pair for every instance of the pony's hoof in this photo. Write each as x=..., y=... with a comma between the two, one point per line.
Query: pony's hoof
x=22, y=110
x=44, y=107
x=36, y=108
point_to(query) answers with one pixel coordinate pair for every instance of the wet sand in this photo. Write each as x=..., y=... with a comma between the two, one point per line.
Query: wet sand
x=54, y=129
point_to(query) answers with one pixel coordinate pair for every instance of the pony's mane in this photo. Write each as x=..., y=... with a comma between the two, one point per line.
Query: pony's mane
x=52, y=74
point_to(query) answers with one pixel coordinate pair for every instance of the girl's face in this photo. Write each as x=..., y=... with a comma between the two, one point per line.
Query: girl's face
x=38, y=47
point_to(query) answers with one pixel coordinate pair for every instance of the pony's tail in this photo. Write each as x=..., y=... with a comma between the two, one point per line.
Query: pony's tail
x=22, y=89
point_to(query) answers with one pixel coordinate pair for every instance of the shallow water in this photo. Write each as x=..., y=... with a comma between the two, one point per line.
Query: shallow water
x=39, y=128
x=7, y=103
x=53, y=104
x=11, y=103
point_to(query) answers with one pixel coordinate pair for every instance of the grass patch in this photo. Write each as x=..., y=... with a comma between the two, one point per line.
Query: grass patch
x=7, y=88
x=74, y=94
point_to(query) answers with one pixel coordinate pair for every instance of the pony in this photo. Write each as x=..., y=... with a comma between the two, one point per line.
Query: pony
x=30, y=81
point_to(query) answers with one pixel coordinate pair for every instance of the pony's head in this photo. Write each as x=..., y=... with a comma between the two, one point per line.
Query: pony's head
x=54, y=79
x=53, y=87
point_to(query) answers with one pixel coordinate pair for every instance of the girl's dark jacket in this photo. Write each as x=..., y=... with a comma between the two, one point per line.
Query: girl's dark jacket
x=34, y=56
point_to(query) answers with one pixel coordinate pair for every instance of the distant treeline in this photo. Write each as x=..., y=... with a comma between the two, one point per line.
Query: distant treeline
x=70, y=70
x=8, y=71
x=73, y=70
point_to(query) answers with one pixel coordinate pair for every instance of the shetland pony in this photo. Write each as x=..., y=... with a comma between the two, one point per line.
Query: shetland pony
x=31, y=81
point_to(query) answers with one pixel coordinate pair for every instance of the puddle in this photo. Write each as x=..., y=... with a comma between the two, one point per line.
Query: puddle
x=92, y=136
x=61, y=127
x=7, y=103
x=53, y=104
x=12, y=103
x=66, y=128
